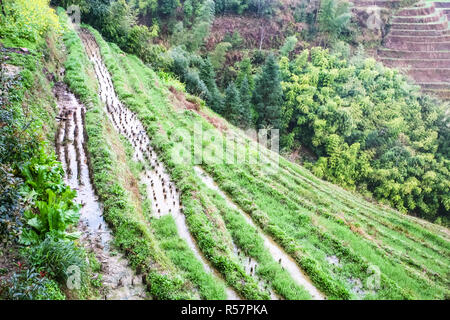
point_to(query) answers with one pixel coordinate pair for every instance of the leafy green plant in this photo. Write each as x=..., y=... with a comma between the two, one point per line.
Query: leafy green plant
x=54, y=209
x=43, y=172
x=53, y=216
x=28, y=284
x=28, y=19
x=57, y=257
x=11, y=206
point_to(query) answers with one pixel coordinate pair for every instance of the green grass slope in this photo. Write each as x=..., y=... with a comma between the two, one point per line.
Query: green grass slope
x=340, y=240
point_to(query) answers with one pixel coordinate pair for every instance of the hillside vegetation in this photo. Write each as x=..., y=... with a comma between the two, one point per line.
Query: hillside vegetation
x=165, y=119
x=38, y=214
x=355, y=122
x=309, y=218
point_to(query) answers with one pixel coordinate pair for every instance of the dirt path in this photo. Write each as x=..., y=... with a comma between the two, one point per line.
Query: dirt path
x=120, y=282
x=160, y=188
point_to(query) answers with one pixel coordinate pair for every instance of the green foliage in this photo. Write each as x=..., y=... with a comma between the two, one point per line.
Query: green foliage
x=168, y=7
x=201, y=26
x=218, y=55
x=246, y=112
x=444, y=136
x=288, y=46
x=369, y=128
x=246, y=71
x=334, y=17
x=260, y=7
x=144, y=7
x=235, y=39
x=11, y=206
x=139, y=42
x=27, y=20
x=97, y=13
x=139, y=39
x=199, y=76
x=27, y=284
x=208, y=76
x=232, y=105
x=58, y=258
x=53, y=216
x=53, y=210
x=17, y=140
x=268, y=94
x=119, y=23
x=16, y=144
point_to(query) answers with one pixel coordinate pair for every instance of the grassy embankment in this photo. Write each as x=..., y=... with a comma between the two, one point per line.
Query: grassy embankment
x=197, y=199
x=110, y=170
x=313, y=220
x=151, y=249
x=33, y=57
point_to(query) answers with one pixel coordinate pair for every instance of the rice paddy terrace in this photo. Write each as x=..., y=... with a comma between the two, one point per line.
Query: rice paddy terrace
x=243, y=230
x=418, y=42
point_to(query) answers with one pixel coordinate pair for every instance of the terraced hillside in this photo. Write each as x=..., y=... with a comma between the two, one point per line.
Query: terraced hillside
x=362, y=4
x=419, y=43
x=268, y=229
x=444, y=6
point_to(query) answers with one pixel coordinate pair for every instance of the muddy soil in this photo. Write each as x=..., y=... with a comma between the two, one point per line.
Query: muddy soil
x=119, y=280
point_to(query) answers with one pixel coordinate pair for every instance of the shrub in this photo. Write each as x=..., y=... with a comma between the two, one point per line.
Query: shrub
x=58, y=258
x=27, y=284
x=28, y=19
x=11, y=209
x=334, y=17
x=53, y=209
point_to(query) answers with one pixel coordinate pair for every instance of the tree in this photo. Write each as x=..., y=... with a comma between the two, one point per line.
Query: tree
x=245, y=71
x=97, y=13
x=232, y=104
x=219, y=53
x=144, y=7
x=121, y=18
x=202, y=25
x=261, y=7
x=139, y=40
x=208, y=76
x=188, y=11
x=268, y=95
x=289, y=46
x=334, y=17
x=168, y=7
x=245, y=118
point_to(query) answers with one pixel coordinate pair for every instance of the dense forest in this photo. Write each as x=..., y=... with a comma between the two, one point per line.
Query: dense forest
x=300, y=66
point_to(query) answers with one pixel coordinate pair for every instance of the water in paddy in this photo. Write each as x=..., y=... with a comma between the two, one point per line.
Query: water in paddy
x=160, y=188
x=119, y=280
x=275, y=250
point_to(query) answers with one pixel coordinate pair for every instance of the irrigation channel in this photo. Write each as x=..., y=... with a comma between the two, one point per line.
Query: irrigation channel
x=160, y=188
x=119, y=280
x=275, y=250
